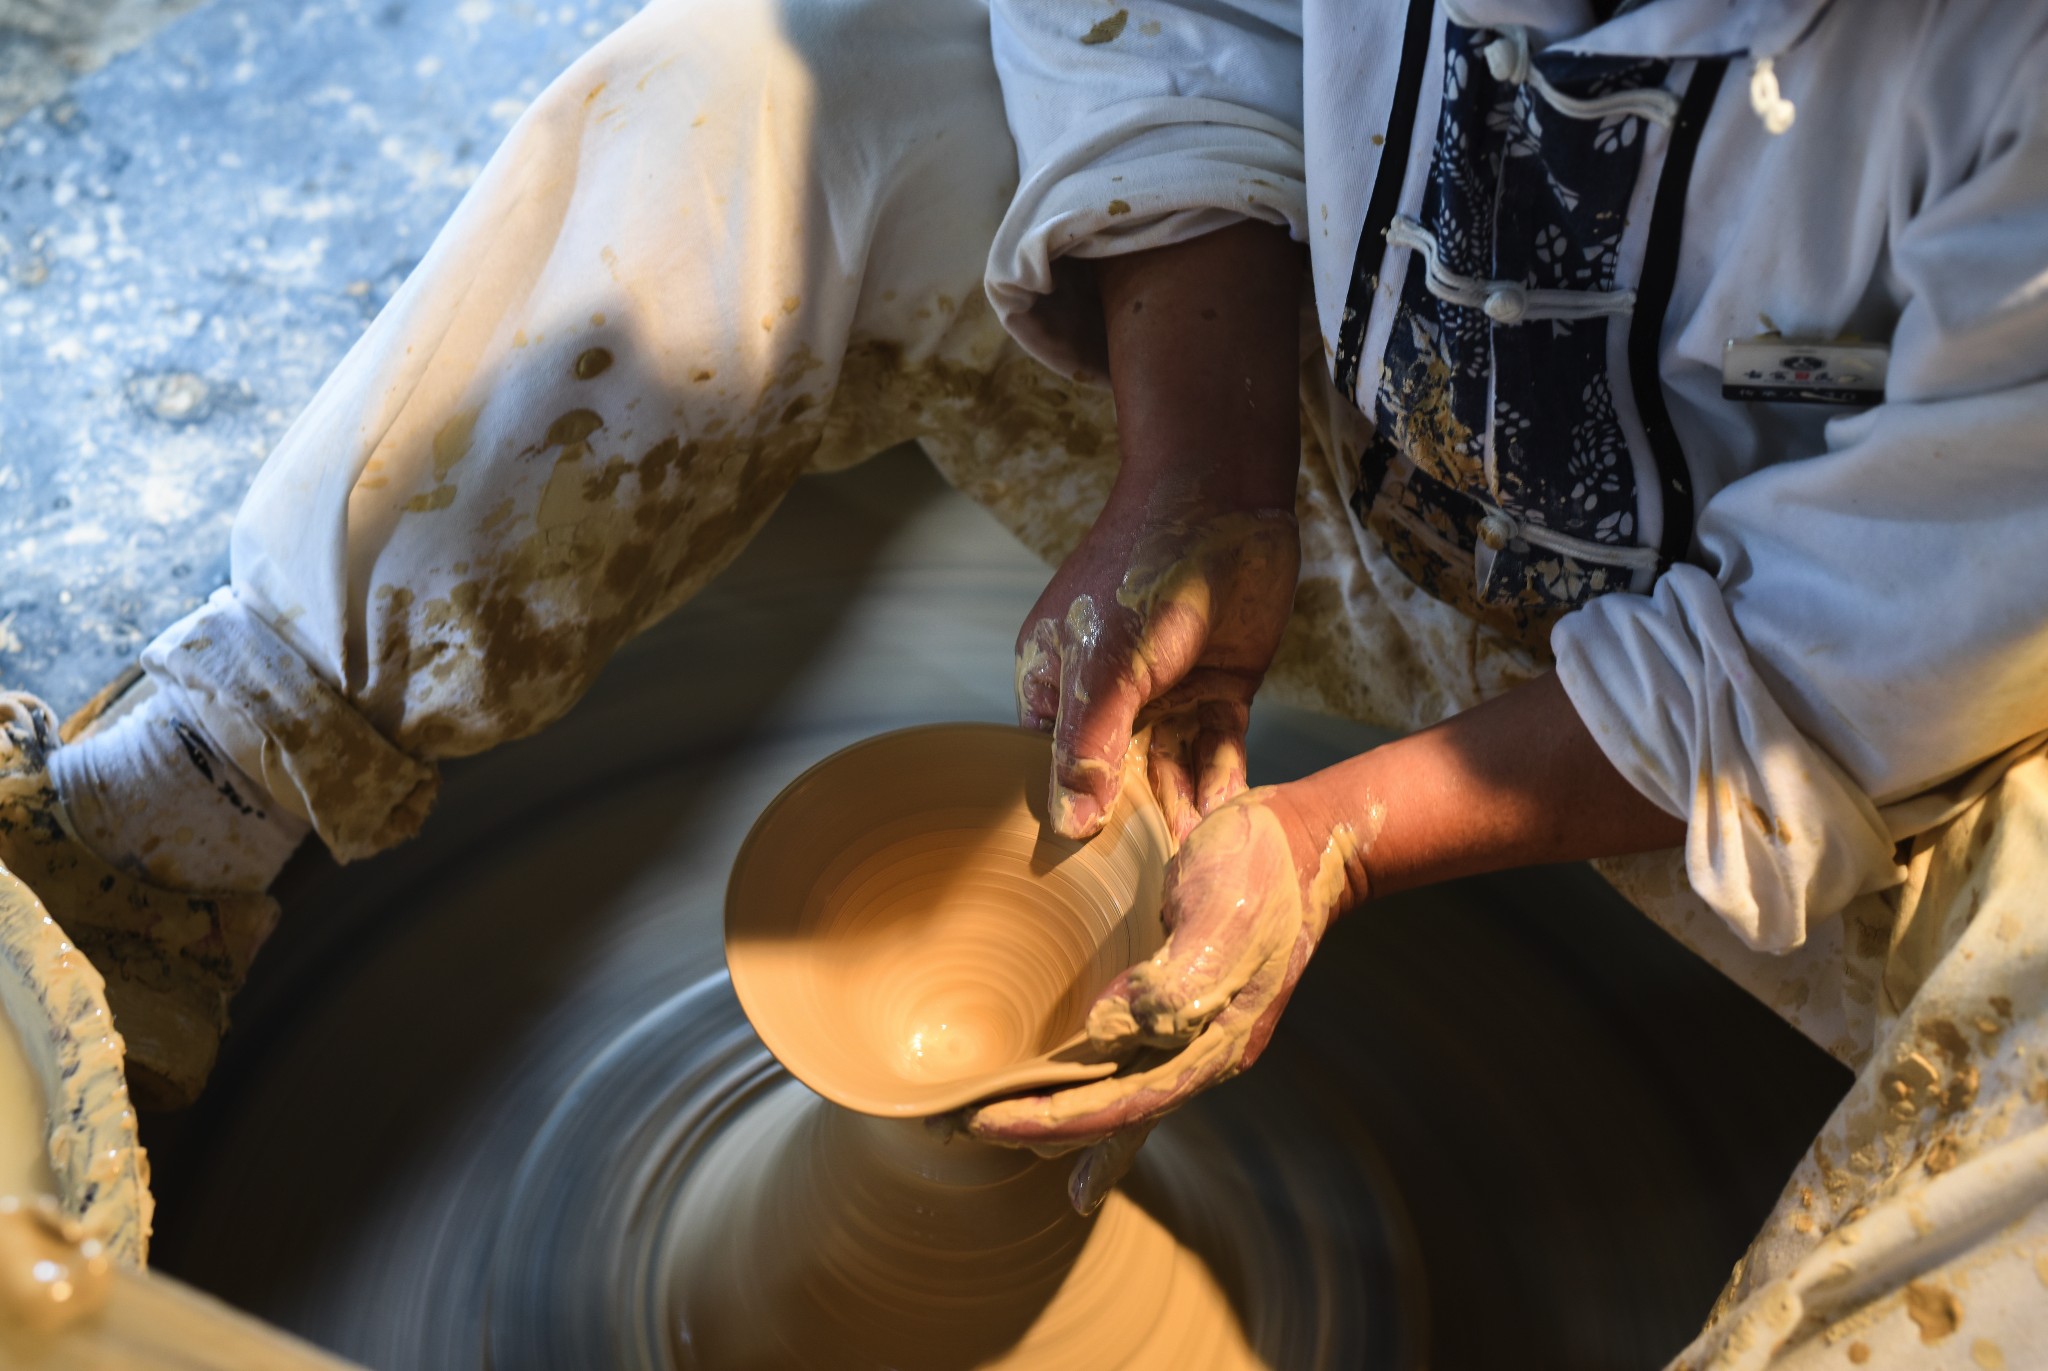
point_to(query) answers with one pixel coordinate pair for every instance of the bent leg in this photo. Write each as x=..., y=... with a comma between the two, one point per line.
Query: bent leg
x=617, y=356
x=1915, y=1234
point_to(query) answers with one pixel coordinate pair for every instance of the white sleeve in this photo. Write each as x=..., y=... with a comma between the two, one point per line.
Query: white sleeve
x=1136, y=129
x=1874, y=622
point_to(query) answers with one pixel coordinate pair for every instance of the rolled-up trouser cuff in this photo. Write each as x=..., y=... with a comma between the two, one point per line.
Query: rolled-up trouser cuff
x=290, y=730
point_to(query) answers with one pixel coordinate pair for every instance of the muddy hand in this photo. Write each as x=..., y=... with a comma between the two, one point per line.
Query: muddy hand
x=1248, y=898
x=1167, y=619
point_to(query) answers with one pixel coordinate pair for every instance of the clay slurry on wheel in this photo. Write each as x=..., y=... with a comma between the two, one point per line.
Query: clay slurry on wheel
x=688, y=1205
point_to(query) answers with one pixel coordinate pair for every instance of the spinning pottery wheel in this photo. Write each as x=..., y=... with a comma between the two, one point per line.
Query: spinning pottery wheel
x=903, y=933
x=487, y=1095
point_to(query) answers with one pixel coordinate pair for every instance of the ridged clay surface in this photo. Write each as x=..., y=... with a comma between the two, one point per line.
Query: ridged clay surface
x=908, y=936
x=812, y=1236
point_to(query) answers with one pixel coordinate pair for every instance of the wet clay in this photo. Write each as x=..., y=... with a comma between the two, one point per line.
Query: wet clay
x=24, y=1164
x=66, y=1306
x=811, y=1236
x=1246, y=919
x=66, y=1126
x=903, y=931
x=908, y=936
x=689, y=1205
x=1194, y=618
x=51, y=1273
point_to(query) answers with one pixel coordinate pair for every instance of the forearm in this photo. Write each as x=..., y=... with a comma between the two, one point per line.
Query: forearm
x=1203, y=363
x=1514, y=782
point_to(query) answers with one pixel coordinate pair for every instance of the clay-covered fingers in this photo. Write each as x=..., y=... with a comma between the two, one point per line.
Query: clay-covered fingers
x=1099, y=702
x=1219, y=752
x=1038, y=675
x=1170, y=768
x=1233, y=903
x=1101, y=1166
x=1118, y=659
x=1088, y=1114
x=1073, y=681
x=1173, y=631
x=1196, y=757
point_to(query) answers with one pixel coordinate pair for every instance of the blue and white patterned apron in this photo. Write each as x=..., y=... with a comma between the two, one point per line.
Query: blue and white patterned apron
x=1512, y=441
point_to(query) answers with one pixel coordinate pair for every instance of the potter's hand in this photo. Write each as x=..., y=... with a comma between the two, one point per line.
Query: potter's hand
x=1170, y=610
x=1247, y=900
x=1514, y=782
x=1167, y=615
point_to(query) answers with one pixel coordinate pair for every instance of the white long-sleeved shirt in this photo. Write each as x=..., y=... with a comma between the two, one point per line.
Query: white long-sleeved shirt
x=1859, y=630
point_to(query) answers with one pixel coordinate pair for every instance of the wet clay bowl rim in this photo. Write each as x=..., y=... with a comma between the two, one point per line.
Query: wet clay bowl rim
x=57, y=1004
x=907, y=936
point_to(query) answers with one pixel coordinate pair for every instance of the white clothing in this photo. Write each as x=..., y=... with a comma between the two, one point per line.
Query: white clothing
x=151, y=795
x=772, y=223
x=1914, y=1233
x=1857, y=574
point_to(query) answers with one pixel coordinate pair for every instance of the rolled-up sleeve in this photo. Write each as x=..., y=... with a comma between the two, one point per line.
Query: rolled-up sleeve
x=1136, y=128
x=1869, y=624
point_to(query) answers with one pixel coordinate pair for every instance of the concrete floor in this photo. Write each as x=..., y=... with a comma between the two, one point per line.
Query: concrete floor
x=191, y=236
x=45, y=45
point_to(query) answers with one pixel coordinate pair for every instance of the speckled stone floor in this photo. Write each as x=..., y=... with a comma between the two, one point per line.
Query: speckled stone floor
x=190, y=238
x=45, y=45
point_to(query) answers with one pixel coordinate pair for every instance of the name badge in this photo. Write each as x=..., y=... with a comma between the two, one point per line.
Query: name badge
x=1796, y=371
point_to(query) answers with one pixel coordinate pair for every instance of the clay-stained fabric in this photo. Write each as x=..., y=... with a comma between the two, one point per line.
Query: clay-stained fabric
x=726, y=247
x=604, y=375
x=737, y=243
x=1915, y=1231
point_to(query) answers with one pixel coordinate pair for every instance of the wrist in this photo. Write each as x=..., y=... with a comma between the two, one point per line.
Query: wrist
x=1331, y=844
x=1195, y=484
x=1204, y=350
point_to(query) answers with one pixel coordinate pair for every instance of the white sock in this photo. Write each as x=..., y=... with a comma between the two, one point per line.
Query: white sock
x=151, y=794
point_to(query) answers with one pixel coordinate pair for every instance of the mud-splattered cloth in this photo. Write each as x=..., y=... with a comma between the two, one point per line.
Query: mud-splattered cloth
x=1500, y=472
x=601, y=380
x=1915, y=1231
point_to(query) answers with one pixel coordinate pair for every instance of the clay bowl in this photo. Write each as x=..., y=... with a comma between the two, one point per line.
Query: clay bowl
x=66, y=1127
x=907, y=935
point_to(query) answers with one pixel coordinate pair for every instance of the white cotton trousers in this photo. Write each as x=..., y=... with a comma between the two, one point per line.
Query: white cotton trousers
x=615, y=358
x=735, y=243
x=731, y=244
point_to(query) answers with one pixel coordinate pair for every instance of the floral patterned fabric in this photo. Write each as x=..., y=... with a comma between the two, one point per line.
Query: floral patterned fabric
x=1518, y=192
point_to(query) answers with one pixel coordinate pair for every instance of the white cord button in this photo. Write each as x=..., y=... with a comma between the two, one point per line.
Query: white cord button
x=1507, y=56
x=1506, y=303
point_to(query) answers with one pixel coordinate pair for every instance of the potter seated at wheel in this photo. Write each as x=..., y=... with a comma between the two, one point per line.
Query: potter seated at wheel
x=1575, y=483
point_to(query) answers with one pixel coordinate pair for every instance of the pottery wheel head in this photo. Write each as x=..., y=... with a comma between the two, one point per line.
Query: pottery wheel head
x=907, y=935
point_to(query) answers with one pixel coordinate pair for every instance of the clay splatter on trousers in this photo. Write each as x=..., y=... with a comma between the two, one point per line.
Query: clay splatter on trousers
x=171, y=961
x=1107, y=30
x=612, y=547
x=625, y=526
